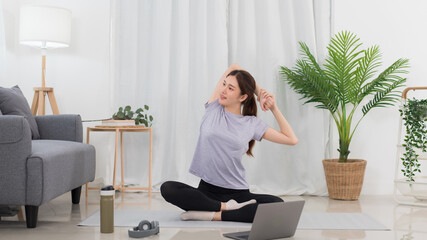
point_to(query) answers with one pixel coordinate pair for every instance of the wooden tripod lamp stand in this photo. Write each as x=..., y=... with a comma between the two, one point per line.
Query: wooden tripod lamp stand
x=40, y=93
x=44, y=27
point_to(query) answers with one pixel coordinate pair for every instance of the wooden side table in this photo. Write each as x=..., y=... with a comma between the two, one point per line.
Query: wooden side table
x=119, y=131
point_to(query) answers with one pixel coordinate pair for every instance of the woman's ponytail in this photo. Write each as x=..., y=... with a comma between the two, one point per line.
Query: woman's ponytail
x=250, y=109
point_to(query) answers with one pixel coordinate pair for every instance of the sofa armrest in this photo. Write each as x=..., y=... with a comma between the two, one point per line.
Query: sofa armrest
x=66, y=127
x=15, y=147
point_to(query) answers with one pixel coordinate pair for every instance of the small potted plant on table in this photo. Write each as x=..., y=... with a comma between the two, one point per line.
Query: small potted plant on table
x=139, y=116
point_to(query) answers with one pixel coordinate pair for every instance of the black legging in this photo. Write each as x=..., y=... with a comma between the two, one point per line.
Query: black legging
x=208, y=197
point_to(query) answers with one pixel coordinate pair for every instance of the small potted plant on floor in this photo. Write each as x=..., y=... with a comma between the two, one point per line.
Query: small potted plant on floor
x=340, y=86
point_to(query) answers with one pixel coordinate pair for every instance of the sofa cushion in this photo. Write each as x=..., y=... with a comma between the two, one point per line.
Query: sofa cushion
x=15, y=147
x=56, y=167
x=13, y=130
x=13, y=102
x=67, y=127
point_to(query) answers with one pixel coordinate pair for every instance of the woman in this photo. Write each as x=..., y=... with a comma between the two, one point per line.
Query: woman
x=228, y=130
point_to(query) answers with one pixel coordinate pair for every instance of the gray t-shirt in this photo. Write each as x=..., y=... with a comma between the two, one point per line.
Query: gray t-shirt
x=223, y=140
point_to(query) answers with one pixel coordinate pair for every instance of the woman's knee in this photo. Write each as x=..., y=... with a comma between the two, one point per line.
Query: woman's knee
x=269, y=199
x=168, y=189
x=276, y=199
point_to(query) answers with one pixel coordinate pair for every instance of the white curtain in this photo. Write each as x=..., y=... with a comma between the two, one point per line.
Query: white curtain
x=170, y=54
x=263, y=36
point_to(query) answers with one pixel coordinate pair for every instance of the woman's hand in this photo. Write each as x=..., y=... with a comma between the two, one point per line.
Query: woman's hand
x=270, y=103
x=267, y=100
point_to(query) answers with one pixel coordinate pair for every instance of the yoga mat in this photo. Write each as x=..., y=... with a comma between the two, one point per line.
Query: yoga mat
x=167, y=219
x=308, y=220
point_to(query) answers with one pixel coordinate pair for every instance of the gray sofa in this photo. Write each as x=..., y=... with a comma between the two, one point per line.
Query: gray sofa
x=35, y=171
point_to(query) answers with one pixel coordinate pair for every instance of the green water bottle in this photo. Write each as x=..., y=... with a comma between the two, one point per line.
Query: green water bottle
x=107, y=209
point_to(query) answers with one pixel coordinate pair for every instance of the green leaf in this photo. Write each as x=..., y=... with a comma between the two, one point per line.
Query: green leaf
x=415, y=137
x=384, y=79
x=129, y=115
x=384, y=98
x=146, y=107
x=346, y=78
x=151, y=118
x=144, y=122
x=127, y=108
x=341, y=65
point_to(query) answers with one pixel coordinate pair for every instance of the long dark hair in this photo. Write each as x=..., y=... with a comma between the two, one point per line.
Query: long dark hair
x=247, y=86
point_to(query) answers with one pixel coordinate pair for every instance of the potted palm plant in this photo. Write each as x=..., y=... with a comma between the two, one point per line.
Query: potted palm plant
x=341, y=86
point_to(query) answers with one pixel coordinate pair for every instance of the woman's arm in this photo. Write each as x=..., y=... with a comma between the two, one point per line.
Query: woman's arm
x=286, y=134
x=232, y=67
x=216, y=92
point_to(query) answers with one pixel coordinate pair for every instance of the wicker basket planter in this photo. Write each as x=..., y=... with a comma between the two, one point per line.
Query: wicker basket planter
x=344, y=180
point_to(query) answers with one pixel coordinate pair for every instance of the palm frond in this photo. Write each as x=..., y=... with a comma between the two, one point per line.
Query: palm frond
x=305, y=80
x=366, y=69
x=384, y=79
x=309, y=58
x=384, y=98
x=342, y=63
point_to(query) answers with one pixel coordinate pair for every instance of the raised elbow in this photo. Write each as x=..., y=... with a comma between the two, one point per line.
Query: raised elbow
x=294, y=142
x=235, y=66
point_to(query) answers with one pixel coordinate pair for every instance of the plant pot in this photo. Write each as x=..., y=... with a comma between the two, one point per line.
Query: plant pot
x=344, y=180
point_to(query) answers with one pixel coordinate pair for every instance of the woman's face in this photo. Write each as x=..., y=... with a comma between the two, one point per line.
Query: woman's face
x=230, y=92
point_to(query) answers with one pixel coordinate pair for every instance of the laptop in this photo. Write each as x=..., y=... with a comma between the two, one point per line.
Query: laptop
x=272, y=221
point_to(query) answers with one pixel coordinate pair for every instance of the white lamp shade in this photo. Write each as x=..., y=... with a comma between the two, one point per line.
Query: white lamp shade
x=45, y=27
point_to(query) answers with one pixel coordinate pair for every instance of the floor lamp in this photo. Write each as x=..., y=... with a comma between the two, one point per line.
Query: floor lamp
x=44, y=27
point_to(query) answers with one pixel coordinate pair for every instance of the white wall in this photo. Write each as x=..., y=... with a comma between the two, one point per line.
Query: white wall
x=398, y=27
x=79, y=74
